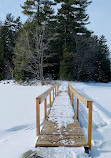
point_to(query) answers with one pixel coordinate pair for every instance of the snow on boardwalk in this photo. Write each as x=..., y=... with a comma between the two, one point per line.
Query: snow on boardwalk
x=62, y=111
x=61, y=128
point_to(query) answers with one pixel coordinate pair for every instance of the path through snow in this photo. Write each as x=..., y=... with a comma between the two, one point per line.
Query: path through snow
x=17, y=120
x=62, y=112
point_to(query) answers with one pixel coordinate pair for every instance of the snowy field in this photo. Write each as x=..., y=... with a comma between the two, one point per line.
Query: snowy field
x=18, y=113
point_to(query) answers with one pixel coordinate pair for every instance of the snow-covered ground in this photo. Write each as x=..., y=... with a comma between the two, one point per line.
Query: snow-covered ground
x=17, y=120
x=100, y=93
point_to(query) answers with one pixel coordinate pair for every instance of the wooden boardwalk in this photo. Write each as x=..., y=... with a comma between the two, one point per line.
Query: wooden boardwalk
x=61, y=126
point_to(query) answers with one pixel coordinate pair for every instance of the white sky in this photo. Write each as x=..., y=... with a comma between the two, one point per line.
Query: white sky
x=99, y=12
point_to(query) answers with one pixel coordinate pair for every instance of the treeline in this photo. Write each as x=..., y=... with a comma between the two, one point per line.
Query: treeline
x=53, y=43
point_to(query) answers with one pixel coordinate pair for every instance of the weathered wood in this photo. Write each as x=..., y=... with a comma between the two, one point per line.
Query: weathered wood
x=55, y=91
x=80, y=96
x=39, y=100
x=37, y=117
x=89, y=125
x=50, y=100
x=88, y=103
x=54, y=135
x=77, y=108
x=55, y=140
x=45, y=94
x=71, y=135
x=45, y=108
x=58, y=89
x=66, y=136
x=51, y=128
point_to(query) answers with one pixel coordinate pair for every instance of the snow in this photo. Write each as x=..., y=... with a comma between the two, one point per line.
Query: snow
x=61, y=152
x=100, y=93
x=17, y=118
x=58, y=114
x=18, y=114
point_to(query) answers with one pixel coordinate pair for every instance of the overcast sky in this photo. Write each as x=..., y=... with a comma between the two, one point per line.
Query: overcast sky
x=99, y=12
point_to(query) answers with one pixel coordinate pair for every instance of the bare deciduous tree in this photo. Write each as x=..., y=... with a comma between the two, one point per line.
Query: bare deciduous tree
x=33, y=50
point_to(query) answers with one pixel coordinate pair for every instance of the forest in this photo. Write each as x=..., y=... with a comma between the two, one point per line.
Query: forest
x=53, y=43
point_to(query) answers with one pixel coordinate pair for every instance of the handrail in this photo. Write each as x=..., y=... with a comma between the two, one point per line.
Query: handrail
x=85, y=100
x=88, y=103
x=45, y=94
x=40, y=99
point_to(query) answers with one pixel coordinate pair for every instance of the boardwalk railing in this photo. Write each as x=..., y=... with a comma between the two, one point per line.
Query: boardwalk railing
x=88, y=103
x=40, y=99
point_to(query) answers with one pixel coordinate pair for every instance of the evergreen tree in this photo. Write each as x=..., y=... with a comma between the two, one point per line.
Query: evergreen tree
x=8, y=34
x=102, y=61
x=39, y=10
x=72, y=19
x=92, y=59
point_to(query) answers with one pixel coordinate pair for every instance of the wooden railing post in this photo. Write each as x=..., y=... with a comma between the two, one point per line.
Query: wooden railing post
x=50, y=99
x=39, y=100
x=72, y=99
x=45, y=108
x=77, y=108
x=37, y=117
x=88, y=103
x=89, y=124
x=55, y=91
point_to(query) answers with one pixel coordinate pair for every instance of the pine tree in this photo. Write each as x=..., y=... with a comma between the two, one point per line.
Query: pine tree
x=8, y=34
x=72, y=19
x=102, y=61
x=39, y=10
x=92, y=59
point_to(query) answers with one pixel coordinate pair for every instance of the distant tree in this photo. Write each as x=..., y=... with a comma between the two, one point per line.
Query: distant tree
x=102, y=61
x=92, y=59
x=31, y=51
x=71, y=18
x=65, y=66
x=8, y=35
x=79, y=55
x=39, y=10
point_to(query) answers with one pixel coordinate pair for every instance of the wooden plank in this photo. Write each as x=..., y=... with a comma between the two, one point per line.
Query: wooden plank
x=37, y=117
x=55, y=91
x=51, y=128
x=89, y=125
x=58, y=89
x=45, y=94
x=85, y=100
x=77, y=108
x=45, y=108
x=50, y=100
x=54, y=135
x=52, y=140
